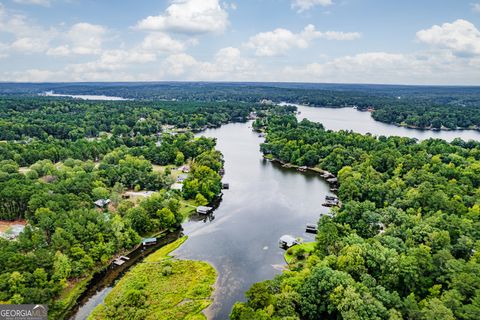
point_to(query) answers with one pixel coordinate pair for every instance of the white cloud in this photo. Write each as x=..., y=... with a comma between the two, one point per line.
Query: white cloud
x=278, y=41
x=159, y=41
x=178, y=64
x=28, y=37
x=3, y=50
x=63, y=50
x=19, y=26
x=303, y=5
x=389, y=68
x=45, y=3
x=29, y=45
x=476, y=7
x=113, y=60
x=86, y=38
x=461, y=37
x=227, y=64
x=188, y=17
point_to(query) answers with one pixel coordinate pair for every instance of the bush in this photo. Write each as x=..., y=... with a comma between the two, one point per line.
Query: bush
x=167, y=270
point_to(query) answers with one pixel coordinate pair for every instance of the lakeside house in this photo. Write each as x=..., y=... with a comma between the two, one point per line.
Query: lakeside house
x=149, y=241
x=203, y=209
x=287, y=241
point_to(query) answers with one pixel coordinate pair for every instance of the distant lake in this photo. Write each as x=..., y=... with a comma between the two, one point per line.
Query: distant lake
x=337, y=119
x=85, y=97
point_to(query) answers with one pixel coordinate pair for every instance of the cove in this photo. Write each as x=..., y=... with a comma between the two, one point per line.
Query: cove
x=264, y=202
x=362, y=122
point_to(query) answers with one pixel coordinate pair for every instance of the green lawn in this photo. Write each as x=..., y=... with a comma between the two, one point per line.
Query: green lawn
x=161, y=287
x=290, y=254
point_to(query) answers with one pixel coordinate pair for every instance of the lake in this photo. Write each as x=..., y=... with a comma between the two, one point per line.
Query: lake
x=85, y=97
x=264, y=202
x=362, y=122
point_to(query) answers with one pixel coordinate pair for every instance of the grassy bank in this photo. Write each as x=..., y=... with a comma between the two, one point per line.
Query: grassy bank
x=161, y=287
x=299, y=252
x=68, y=298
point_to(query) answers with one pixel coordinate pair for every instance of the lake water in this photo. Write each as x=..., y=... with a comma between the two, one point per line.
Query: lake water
x=264, y=202
x=362, y=122
x=85, y=97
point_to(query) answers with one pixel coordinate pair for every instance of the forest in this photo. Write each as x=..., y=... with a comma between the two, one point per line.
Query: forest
x=58, y=157
x=403, y=245
x=426, y=107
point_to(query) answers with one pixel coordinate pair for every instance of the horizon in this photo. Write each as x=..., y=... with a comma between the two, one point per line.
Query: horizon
x=242, y=82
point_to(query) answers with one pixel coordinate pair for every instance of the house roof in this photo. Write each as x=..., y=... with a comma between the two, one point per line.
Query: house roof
x=102, y=202
x=177, y=186
x=204, y=208
x=288, y=239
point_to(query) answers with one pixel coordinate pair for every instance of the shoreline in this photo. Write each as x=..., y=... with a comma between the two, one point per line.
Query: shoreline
x=477, y=129
x=293, y=166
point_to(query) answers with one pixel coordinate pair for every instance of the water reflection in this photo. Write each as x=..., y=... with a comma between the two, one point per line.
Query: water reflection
x=362, y=122
x=264, y=202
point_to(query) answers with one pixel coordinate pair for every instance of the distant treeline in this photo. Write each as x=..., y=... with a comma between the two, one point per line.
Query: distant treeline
x=429, y=107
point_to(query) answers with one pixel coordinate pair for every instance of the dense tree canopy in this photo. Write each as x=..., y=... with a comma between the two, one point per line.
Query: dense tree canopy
x=55, y=163
x=405, y=243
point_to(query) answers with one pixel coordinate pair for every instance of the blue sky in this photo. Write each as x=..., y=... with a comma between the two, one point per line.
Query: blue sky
x=343, y=41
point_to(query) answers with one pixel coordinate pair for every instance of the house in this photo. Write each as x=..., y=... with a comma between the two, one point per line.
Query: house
x=149, y=241
x=287, y=241
x=182, y=177
x=177, y=186
x=203, y=209
x=102, y=203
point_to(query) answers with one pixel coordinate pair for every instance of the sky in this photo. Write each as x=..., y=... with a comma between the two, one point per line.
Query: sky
x=320, y=41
